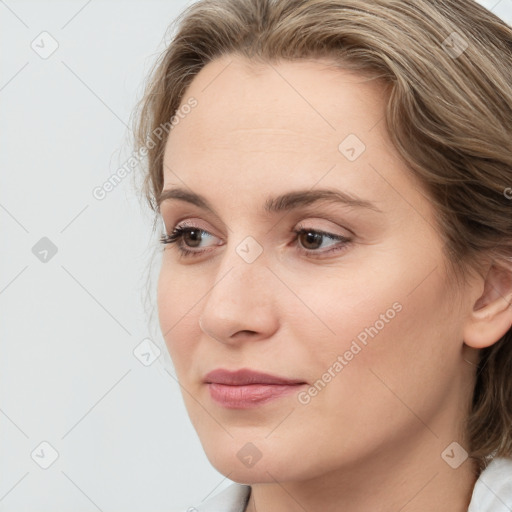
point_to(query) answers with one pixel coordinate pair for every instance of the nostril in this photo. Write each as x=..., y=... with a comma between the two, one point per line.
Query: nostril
x=243, y=334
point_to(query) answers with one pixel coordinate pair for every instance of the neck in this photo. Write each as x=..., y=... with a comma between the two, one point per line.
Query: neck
x=408, y=477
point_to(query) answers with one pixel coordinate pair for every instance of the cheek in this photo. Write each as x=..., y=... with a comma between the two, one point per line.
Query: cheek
x=395, y=344
x=178, y=311
x=345, y=307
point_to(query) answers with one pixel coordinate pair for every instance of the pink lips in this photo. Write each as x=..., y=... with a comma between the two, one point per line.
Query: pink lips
x=246, y=388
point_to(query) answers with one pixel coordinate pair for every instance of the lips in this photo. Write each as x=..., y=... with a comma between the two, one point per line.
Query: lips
x=246, y=388
x=245, y=377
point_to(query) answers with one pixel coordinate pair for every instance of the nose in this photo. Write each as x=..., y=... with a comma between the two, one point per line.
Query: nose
x=241, y=304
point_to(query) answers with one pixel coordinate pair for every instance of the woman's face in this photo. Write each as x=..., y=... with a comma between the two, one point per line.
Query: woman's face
x=364, y=325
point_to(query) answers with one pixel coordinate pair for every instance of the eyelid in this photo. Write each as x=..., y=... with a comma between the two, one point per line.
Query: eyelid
x=327, y=231
x=191, y=222
x=310, y=216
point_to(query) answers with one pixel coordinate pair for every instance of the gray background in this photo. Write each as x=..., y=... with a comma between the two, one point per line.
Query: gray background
x=72, y=319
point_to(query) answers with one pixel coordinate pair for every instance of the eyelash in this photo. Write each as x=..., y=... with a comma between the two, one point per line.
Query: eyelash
x=177, y=238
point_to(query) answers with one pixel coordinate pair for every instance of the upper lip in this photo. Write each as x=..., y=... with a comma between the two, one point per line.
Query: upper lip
x=246, y=376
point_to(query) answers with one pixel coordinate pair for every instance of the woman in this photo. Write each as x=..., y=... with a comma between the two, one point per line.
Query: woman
x=334, y=182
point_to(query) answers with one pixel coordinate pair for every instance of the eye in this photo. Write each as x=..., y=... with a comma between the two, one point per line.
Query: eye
x=184, y=237
x=308, y=241
x=313, y=239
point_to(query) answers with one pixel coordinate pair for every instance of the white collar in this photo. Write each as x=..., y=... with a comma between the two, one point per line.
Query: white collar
x=493, y=489
x=232, y=499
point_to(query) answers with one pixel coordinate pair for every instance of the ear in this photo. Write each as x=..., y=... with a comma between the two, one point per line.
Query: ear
x=491, y=315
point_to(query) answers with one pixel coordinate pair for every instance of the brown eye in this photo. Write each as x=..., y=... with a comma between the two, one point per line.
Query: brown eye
x=311, y=239
x=188, y=240
x=192, y=237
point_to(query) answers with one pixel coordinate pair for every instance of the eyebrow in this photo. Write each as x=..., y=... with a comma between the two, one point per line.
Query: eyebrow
x=285, y=202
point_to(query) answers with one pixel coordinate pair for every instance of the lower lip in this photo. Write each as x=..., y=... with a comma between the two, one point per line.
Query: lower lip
x=249, y=396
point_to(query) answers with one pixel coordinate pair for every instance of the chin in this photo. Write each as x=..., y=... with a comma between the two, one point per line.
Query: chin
x=261, y=472
x=250, y=463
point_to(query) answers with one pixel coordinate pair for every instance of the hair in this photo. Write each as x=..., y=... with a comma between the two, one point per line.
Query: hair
x=448, y=67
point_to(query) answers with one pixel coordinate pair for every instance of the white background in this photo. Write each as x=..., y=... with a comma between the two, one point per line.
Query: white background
x=69, y=325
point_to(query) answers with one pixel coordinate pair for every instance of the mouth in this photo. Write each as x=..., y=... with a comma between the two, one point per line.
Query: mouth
x=244, y=389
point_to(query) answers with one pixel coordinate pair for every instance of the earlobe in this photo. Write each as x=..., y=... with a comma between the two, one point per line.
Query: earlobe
x=491, y=315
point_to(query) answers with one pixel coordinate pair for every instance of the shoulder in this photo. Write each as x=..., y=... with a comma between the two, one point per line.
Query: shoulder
x=232, y=499
x=493, y=489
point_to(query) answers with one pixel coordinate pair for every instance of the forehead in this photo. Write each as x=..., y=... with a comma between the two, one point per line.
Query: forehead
x=275, y=127
x=298, y=101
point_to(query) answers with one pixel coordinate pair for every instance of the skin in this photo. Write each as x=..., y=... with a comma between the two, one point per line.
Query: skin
x=372, y=439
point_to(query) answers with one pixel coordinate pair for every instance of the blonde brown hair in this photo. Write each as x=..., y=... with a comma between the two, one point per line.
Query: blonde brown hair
x=448, y=67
